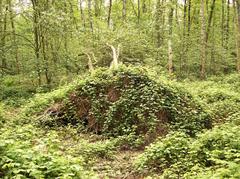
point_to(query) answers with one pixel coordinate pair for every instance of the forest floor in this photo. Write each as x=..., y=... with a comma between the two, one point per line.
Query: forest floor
x=26, y=149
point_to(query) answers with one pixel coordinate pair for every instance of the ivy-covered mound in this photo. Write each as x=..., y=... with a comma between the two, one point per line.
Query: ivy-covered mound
x=125, y=101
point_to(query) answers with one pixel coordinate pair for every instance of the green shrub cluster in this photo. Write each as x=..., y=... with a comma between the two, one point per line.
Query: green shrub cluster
x=15, y=91
x=121, y=102
x=25, y=153
x=213, y=153
x=165, y=153
x=220, y=95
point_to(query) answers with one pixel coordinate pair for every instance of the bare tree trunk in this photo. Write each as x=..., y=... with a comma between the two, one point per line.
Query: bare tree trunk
x=90, y=64
x=109, y=13
x=238, y=36
x=90, y=14
x=144, y=6
x=36, y=39
x=223, y=20
x=189, y=16
x=124, y=9
x=115, y=54
x=14, y=36
x=82, y=13
x=3, y=38
x=1, y=35
x=159, y=23
x=203, y=40
x=170, y=51
x=212, y=62
x=182, y=53
x=227, y=24
x=139, y=11
x=210, y=19
x=45, y=59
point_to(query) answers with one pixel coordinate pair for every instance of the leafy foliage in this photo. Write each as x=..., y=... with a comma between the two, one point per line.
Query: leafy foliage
x=208, y=154
x=24, y=154
x=165, y=152
x=14, y=91
x=123, y=101
x=219, y=94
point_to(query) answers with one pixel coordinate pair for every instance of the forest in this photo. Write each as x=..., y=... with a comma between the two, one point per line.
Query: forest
x=122, y=89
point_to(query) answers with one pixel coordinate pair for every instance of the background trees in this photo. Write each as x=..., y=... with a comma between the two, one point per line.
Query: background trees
x=48, y=39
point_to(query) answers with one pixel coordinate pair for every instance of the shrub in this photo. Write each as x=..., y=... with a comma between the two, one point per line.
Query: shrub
x=120, y=102
x=14, y=92
x=220, y=96
x=214, y=153
x=164, y=153
x=24, y=155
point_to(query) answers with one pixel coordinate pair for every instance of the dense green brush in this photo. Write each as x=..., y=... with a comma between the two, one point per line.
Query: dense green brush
x=213, y=153
x=120, y=102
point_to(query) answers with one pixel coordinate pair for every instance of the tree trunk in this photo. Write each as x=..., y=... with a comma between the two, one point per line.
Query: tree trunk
x=227, y=24
x=139, y=11
x=124, y=10
x=36, y=39
x=82, y=13
x=184, y=48
x=170, y=51
x=223, y=20
x=159, y=23
x=90, y=14
x=144, y=6
x=14, y=37
x=189, y=16
x=210, y=19
x=203, y=41
x=109, y=13
x=3, y=38
x=238, y=35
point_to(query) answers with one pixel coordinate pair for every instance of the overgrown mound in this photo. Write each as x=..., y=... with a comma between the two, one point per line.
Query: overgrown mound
x=126, y=101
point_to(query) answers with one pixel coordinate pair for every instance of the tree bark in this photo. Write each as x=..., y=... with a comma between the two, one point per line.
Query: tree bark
x=210, y=19
x=159, y=23
x=124, y=10
x=109, y=13
x=82, y=13
x=36, y=39
x=238, y=35
x=144, y=6
x=14, y=37
x=189, y=16
x=139, y=11
x=3, y=38
x=90, y=14
x=203, y=41
x=170, y=51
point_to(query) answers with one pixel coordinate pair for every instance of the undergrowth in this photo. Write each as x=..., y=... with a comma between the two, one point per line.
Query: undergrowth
x=121, y=102
x=178, y=155
x=67, y=132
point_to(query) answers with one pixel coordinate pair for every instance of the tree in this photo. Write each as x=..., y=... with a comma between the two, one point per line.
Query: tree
x=238, y=34
x=170, y=51
x=203, y=40
x=109, y=13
